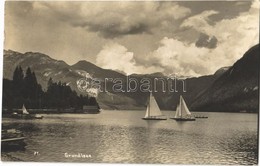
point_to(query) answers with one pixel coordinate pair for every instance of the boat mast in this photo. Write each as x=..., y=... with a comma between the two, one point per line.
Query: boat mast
x=180, y=106
x=149, y=105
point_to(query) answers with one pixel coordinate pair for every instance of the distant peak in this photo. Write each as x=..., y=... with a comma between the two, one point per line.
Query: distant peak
x=82, y=62
x=32, y=55
x=36, y=54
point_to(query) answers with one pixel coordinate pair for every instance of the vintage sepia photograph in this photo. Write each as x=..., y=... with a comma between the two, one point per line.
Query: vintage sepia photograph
x=131, y=82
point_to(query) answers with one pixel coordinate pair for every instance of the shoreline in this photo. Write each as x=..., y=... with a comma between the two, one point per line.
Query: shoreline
x=6, y=157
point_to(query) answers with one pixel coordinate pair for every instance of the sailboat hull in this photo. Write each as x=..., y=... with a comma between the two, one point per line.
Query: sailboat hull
x=203, y=117
x=38, y=117
x=155, y=118
x=26, y=116
x=184, y=119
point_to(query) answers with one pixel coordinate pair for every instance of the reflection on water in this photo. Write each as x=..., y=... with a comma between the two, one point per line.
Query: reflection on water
x=123, y=137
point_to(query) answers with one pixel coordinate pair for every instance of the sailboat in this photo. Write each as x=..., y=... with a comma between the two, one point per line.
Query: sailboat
x=26, y=115
x=25, y=112
x=153, y=111
x=182, y=112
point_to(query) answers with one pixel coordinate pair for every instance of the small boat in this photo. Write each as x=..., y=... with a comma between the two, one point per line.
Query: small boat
x=153, y=111
x=12, y=139
x=182, y=112
x=200, y=116
x=38, y=116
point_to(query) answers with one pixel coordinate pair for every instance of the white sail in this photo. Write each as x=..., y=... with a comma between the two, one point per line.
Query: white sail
x=152, y=108
x=182, y=109
x=185, y=110
x=147, y=111
x=24, y=110
x=178, y=112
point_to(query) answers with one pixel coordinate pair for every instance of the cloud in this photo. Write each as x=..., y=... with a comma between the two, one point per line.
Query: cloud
x=199, y=22
x=206, y=41
x=235, y=36
x=189, y=38
x=116, y=19
x=116, y=57
x=180, y=58
x=240, y=26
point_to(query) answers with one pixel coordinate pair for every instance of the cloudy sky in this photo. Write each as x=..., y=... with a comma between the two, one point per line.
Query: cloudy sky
x=185, y=38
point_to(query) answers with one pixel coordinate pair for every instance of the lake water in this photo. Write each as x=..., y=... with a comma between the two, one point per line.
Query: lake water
x=123, y=137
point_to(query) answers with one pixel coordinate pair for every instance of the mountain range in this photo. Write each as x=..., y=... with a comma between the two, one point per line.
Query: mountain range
x=236, y=89
x=232, y=88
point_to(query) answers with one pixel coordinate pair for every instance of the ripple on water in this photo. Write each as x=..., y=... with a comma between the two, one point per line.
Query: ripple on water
x=124, y=138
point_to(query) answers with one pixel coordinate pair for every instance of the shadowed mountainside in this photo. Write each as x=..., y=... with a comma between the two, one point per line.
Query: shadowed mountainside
x=235, y=90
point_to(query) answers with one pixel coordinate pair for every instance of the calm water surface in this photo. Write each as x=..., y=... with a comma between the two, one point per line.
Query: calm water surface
x=123, y=137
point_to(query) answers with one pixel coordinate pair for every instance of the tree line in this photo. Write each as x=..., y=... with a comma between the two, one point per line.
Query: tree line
x=24, y=89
